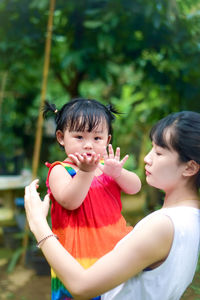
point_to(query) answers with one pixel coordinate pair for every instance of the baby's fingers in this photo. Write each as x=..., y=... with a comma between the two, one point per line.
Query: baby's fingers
x=117, y=154
x=124, y=159
x=95, y=158
x=105, y=154
x=74, y=157
x=110, y=150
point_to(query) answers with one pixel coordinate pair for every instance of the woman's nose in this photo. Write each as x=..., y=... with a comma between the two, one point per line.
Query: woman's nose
x=148, y=158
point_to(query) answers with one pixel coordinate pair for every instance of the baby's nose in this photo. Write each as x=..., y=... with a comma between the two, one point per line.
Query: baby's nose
x=88, y=145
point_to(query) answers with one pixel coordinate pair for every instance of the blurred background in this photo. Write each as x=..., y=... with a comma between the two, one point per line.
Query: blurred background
x=141, y=56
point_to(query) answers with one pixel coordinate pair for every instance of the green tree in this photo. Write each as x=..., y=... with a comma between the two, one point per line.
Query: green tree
x=142, y=56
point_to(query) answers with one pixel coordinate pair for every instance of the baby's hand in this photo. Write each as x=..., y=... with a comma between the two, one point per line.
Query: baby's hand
x=112, y=163
x=84, y=162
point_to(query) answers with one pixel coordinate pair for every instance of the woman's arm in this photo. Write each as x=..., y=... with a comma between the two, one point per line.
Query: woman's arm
x=139, y=250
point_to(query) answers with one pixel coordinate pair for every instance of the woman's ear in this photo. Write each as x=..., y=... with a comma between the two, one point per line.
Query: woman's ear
x=109, y=139
x=192, y=168
x=60, y=137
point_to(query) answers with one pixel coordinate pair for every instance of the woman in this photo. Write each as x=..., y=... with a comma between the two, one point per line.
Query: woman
x=158, y=258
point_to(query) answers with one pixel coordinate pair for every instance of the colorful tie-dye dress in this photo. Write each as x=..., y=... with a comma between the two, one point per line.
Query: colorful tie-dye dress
x=91, y=230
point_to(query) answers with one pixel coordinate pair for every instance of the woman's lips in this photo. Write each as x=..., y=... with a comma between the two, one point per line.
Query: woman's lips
x=147, y=172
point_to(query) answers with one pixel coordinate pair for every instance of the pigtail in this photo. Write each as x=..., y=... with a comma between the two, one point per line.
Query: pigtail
x=112, y=111
x=50, y=108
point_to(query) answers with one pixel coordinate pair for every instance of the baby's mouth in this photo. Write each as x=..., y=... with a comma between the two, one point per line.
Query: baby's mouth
x=89, y=154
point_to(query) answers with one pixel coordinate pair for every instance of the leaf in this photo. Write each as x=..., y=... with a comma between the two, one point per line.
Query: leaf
x=93, y=24
x=14, y=260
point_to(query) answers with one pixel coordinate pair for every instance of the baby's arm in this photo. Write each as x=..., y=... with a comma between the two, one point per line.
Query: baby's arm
x=128, y=181
x=71, y=192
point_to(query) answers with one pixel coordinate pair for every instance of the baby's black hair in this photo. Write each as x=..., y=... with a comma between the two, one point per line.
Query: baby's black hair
x=184, y=135
x=80, y=114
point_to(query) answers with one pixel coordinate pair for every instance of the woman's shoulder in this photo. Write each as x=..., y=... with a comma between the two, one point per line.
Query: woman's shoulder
x=155, y=228
x=149, y=242
x=157, y=222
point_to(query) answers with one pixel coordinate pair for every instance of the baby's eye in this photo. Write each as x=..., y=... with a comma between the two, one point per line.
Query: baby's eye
x=79, y=137
x=97, y=138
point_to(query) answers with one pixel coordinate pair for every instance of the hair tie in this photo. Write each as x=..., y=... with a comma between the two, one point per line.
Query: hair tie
x=109, y=107
x=55, y=111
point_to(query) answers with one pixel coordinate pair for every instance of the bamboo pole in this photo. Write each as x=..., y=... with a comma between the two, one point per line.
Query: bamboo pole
x=38, y=137
x=2, y=92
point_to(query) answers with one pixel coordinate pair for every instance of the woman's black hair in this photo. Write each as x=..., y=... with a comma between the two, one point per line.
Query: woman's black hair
x=184, y=135
x=80, y=113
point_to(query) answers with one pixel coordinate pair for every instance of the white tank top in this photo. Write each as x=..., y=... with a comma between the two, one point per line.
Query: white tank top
x=172, y=277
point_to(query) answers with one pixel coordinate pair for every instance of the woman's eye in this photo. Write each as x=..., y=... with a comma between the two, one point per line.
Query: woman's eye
x=79, y=137
x=158, y=153
x=97, y=138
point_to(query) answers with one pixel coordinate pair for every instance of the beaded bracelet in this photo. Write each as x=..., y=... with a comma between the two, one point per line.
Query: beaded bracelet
x=44, y=239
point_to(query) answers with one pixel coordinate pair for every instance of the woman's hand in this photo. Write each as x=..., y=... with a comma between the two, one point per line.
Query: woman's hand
x=112, y=164
x=36, y=209
x=85, y=162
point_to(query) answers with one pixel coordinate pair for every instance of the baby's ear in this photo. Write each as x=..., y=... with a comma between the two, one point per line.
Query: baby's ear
x=60, y=137
x=192, y=167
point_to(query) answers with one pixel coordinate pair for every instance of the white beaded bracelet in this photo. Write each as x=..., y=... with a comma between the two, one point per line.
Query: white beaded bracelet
x=44, y=239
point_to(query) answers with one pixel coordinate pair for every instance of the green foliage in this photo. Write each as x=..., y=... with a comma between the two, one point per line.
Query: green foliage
x=15, y=257
x=194, y=285
x=141, y=56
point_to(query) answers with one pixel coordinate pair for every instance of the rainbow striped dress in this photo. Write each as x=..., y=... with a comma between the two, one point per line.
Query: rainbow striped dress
x=91, y=230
